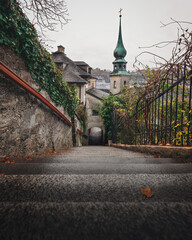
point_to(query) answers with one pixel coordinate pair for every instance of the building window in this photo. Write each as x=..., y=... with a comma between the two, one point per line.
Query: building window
x=114, y=84
x=124, y=83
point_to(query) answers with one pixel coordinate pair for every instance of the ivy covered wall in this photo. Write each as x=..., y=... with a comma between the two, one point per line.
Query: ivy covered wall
x=20, y=35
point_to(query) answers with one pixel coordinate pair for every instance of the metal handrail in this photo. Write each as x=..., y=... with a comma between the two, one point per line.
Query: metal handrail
x=79, y=131
x=5, y=70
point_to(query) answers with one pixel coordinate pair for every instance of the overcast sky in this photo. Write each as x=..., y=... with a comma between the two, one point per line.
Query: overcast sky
x=91, y=35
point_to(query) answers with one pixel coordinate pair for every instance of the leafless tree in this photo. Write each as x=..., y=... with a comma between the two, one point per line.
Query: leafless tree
x=47, y=14
x=181, y=53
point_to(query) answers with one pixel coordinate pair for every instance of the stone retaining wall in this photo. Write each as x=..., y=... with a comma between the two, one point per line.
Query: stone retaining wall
x=184, y=153
x=27, y=126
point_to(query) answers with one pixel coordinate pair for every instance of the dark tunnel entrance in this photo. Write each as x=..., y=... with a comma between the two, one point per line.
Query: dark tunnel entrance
x=95, y=136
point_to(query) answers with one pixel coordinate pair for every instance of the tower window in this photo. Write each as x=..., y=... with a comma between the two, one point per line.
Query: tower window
x=114, y=84
x=124, y=83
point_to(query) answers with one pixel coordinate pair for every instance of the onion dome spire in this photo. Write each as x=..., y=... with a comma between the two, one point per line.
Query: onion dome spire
x=120, y=51
x=119, y=54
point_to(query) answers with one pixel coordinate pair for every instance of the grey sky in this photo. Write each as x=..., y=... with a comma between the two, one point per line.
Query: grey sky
x=92, y=33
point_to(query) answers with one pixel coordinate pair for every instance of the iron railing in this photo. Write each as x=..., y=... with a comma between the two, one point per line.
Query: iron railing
x=163, y=115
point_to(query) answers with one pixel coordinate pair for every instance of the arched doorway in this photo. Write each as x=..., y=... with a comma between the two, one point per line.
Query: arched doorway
x=95, y=136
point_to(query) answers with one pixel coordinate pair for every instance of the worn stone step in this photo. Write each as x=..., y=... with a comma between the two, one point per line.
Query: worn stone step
x=95, y=188
x=93, y=221
x=94, y=168
x=98, y=159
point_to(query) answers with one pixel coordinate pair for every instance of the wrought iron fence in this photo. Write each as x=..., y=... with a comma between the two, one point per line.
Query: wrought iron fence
x=164, y=114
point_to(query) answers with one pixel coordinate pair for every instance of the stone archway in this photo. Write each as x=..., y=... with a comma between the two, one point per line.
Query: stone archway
x=95, y=136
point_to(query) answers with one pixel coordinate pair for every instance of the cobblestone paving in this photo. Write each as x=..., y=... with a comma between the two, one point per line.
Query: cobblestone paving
x=95, y=193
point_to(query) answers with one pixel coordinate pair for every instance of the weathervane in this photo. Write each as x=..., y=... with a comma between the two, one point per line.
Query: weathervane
x=120, y=11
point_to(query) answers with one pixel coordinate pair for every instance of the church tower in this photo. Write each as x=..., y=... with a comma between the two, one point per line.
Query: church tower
x=119, y=77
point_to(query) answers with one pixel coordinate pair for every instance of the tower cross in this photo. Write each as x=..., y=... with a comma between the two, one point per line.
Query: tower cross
x=120, y=11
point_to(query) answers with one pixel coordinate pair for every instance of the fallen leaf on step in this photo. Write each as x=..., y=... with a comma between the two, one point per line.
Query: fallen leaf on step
x=5, y=158
x=146, y=192
x=53, y=151
x=7, y=162
x=156, y=156
x=28, y=159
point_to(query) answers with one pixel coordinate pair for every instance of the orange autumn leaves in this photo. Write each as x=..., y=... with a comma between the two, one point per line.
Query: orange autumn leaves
x=7, y=159
x=4, y=159
x=146, y=192
x=52, y=152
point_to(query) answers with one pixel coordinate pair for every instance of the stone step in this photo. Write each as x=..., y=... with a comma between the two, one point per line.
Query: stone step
x=93, y=221
x=94, y=168
x=95, y=188
x=97, y=159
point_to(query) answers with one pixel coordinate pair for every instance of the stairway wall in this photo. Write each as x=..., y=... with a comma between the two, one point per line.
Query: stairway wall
x=27, y=126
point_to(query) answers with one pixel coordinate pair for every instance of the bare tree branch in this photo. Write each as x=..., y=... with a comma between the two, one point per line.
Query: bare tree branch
x=181, y=54
x=47, y=14
x=158, y=45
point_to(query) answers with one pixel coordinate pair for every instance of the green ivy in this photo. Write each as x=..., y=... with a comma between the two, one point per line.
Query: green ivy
x=83, y=116
x=19, y=34
x=110, y=104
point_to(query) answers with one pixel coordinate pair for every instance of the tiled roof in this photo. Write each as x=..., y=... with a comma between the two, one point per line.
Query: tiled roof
x=97, y=93
x=71, y=77
x=84, y=73
x=81, y=63
x=59, y=57
x=71, y=73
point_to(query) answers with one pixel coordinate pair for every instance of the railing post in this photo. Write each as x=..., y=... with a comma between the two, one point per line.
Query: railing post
x=152, y=120
x=176, y=110
x=158, y=131
x=136, y=122
x=190, y=109
x=183, y=99
x=166, y=111
x=155, y=136
x=171, y=105
x=162, y=113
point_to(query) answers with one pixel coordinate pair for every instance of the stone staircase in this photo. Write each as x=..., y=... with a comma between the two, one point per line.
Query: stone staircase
x=95, y=193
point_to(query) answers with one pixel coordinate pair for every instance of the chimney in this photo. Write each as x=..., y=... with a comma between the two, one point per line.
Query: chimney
x=60, y=49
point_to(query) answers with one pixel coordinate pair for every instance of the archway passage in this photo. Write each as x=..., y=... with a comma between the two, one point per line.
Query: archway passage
x=95, y=136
